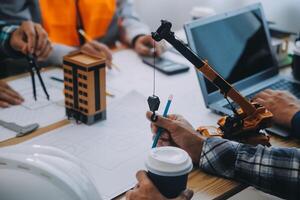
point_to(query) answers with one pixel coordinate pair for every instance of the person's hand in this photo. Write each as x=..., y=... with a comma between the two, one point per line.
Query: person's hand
x=8, y=96
x=282, y=104
x=178, y=132
x=97, y=49
x=145, y=190
x=31, y=38
x=144, y=46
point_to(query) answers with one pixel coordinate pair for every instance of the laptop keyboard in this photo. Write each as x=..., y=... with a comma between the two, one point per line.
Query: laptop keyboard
x=282, y=84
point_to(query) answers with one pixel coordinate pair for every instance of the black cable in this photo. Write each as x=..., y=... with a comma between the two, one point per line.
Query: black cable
x=231, y=106
x=154, y=68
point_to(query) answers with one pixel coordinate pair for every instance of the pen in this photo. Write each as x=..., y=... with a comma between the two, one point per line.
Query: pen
x=89, y=39
x=57, y=79
x=109, y=94
x=160, y=130
x=61, y=81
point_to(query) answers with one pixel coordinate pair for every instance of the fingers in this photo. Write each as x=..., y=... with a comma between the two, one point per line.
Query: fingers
x=102, y=48
x=24, y=49
x=88, y=49
x=269, y=91
x=269, y=95
x=17, y=43
x=44, y=53
x=41, y=38
x=165, y=137
x=5, y=89
x=264, y=94
x=260, y=101
x=143, y=50
x=4, y=85
x=31, y=38
x=4, y=104
x=42, y=43
x=97, y=49
x=30, y=34
x=185, y=195
x=163, y=143
x=159, y=49
x=142, y=178
x=129, y=195
x=153, y=128
x=8, y=98
x=144, y=46
x=14, y=95
x=163, y=122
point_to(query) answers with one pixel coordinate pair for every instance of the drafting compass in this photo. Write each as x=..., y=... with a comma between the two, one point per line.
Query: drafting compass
x=153, y=101
x=33, y=67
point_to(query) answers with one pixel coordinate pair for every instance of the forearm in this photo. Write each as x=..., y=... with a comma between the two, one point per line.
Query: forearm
x=273, y=170
x=58, y=52
x=5, y=49
x=131, y=23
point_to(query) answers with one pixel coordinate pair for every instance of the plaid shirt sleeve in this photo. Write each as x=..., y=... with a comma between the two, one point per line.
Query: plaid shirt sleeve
x=273, y=170
x=5, y=48
x=296, y=125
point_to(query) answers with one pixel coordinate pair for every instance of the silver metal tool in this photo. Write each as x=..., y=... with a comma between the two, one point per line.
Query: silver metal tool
x=20, y=130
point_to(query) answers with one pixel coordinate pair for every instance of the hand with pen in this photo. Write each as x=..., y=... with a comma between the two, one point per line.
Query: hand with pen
x=95, y=48
x=31, y=38
x=176, y=132
x=180, y=133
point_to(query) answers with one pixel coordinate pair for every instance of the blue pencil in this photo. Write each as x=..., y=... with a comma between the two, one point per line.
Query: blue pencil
x=160, y=130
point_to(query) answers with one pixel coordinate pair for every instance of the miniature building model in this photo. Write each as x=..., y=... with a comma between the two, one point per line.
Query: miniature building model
x=85, y=86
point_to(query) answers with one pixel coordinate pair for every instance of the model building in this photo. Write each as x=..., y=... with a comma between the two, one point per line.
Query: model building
x=84, y=80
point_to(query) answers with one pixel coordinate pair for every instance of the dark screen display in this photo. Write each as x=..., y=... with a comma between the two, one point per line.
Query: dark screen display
x=236, y=47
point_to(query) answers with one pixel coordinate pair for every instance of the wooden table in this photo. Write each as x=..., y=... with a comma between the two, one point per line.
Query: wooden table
x=205, y=186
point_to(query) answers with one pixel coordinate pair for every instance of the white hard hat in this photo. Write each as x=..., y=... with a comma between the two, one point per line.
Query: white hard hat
x=41, y=172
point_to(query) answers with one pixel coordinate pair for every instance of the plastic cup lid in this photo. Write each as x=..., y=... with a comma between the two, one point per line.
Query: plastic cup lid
x=169, y=161
x=199, y=12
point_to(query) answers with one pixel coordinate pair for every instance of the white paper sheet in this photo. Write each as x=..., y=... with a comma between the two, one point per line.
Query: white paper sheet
x=42, y=111
x=6, y=134
x=112, y=150
x=133, y=74
x=188, y=100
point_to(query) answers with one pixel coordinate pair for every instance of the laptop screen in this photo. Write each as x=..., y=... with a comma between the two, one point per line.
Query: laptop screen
x=235, y=46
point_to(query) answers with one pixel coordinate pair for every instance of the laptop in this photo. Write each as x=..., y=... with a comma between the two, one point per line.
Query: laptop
x=237, y=45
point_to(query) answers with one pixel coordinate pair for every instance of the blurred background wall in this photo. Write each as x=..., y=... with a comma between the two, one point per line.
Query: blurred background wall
x=286, y=13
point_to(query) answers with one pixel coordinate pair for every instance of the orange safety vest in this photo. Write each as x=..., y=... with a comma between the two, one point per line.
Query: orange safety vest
x=60, y=19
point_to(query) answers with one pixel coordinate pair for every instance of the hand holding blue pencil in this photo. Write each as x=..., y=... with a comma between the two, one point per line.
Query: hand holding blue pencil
x=165, y=114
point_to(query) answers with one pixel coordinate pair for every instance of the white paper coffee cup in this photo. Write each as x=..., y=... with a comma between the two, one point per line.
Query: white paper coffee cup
x=168, y=168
